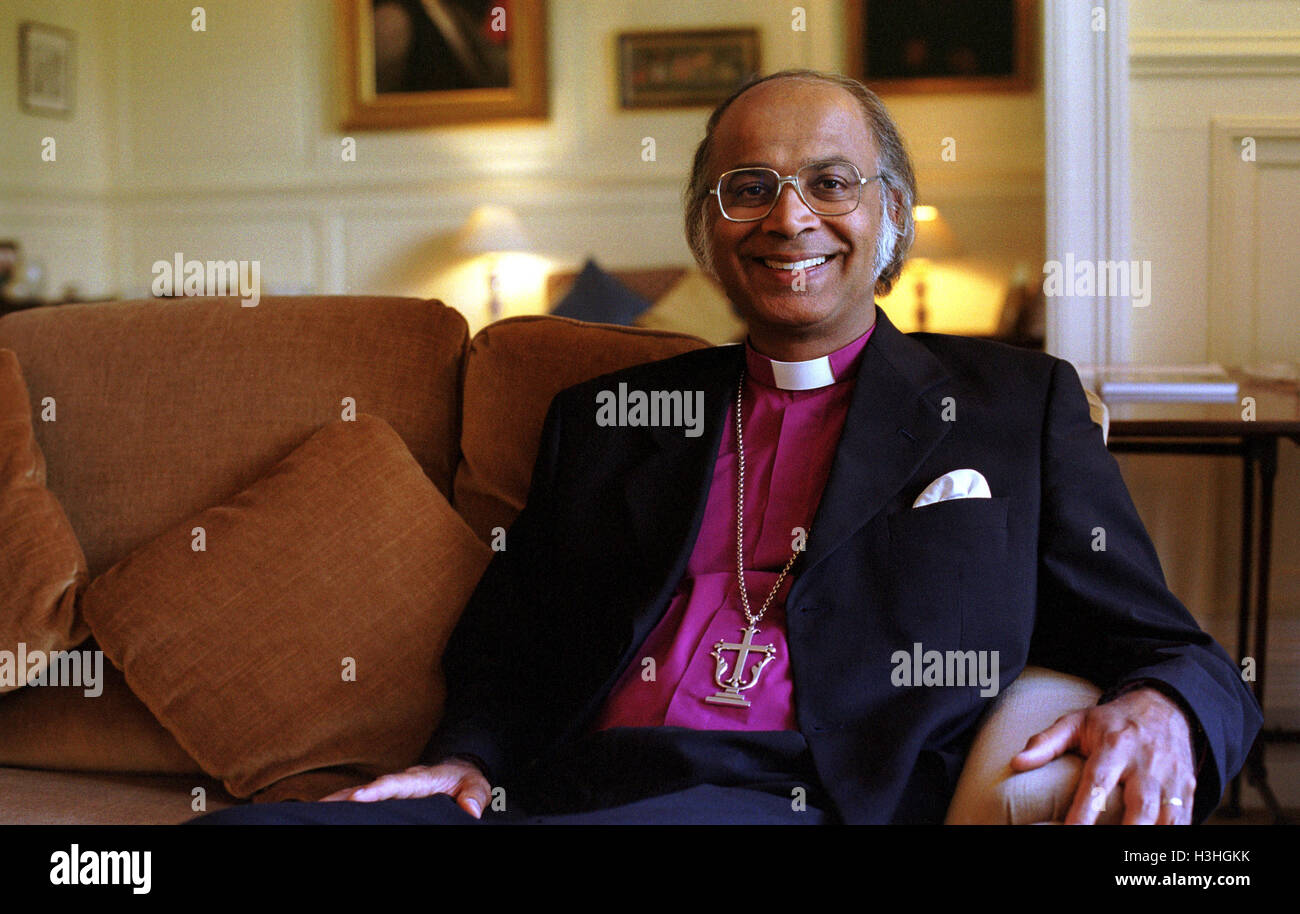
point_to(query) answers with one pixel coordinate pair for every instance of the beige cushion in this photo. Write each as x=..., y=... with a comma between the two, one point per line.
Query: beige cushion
x=989, y=792
x=343, y=557
x=42, y=567
x=1099, y=412
x=698, y=306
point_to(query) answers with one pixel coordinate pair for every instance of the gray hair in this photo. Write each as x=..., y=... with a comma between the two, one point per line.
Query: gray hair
x=897, y=180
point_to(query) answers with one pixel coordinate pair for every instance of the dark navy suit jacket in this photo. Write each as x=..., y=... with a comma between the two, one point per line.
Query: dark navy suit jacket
x=612, y=516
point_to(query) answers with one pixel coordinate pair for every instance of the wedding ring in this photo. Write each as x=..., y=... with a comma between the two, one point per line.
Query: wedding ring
x=1173, y=801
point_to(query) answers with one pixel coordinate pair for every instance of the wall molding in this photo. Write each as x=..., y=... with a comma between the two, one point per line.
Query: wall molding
x=1168, y=53
x=549, y=192
x=968, y=184
x=1234, y=228
x=42, y=194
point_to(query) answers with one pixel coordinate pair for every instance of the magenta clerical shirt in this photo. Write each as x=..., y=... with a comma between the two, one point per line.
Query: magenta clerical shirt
x=790, y=439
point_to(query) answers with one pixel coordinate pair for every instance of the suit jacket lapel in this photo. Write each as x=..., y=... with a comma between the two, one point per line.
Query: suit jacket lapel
x=665, y=492
x=890, y=429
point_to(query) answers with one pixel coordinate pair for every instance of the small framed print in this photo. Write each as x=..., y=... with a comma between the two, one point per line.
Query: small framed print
x=46, y=69
x=940, y=45
x=675, y=69
x=425, y=63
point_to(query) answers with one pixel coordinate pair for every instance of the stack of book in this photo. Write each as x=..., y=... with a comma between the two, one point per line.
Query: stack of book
x=1193, y=383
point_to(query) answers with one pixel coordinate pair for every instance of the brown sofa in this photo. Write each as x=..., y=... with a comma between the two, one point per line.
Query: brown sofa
x=167, y=408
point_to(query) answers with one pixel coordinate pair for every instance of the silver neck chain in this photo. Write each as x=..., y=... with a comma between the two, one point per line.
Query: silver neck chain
x=740, y=521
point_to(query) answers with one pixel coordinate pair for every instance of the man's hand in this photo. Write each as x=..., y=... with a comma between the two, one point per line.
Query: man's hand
x=1142, y=739
x=455, y=776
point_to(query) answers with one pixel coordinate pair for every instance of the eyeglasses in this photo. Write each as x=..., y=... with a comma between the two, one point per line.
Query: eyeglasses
x=826, y=188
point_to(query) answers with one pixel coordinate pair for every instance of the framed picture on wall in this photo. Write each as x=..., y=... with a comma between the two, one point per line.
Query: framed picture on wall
x=684, y=68
x=941, y=45
x=46, y=71
x=425, y=63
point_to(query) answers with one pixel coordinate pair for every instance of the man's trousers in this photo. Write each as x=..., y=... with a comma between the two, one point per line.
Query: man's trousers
x=626, y=775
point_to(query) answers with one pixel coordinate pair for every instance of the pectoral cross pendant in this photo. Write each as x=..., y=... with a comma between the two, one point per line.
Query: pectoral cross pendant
x=733, y=685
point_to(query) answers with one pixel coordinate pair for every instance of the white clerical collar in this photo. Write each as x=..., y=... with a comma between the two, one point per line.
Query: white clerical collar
x=811, y=374
x=807, y=375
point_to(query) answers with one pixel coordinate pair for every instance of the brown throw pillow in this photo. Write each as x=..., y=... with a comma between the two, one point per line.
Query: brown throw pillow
x=307, y=632
x=42, y=567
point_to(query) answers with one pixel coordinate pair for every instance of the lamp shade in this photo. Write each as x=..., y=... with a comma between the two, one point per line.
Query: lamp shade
x=934, y=237
x=493, y=230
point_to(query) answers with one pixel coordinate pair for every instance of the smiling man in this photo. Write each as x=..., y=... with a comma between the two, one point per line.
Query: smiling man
x=804, y=282
x=705, y=629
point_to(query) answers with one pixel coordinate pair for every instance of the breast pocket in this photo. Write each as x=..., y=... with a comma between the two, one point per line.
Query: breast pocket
x=935, y=552
x=933, y=521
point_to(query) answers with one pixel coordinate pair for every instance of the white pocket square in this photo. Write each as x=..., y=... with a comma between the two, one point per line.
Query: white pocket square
x=957, y=484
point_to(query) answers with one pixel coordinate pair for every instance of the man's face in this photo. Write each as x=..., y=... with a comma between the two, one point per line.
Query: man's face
x=785, y=124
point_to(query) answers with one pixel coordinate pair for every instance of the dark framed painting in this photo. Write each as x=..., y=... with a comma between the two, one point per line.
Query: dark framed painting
x=46, y=69
x=674, y=69
x=424, y=63
x=941, y=45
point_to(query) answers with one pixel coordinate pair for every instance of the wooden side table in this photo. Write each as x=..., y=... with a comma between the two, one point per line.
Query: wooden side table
x=1219, y=429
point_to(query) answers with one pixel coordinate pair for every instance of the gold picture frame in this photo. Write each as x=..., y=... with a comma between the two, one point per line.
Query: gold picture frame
x=681, y=68
x=930, y=47
x=431, y=52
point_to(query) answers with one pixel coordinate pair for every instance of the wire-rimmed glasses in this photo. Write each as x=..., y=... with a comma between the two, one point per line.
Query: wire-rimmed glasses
x=832, y=188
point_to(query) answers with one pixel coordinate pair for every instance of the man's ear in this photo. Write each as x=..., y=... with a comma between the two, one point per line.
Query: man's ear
x=895, y=207
x=897, y=211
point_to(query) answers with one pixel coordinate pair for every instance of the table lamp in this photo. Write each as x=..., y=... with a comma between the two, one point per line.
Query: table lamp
x=493, y=230
x=934, y=241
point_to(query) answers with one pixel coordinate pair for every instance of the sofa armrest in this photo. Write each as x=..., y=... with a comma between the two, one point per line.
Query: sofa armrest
x=989, y=792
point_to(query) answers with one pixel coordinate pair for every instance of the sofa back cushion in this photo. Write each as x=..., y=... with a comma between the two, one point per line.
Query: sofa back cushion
x=42, y=568
x=165, y=407
x=515, y=367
